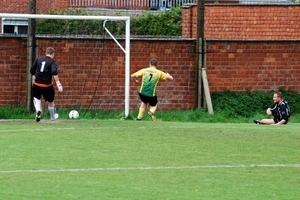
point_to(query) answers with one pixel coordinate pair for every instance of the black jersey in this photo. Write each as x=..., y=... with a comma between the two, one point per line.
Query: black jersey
x=281, y=111
x=44, y=68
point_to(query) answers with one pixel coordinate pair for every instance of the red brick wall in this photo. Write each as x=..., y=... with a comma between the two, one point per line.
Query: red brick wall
x=45, y=5
x=249, y=65
x=13, y=55
x=131, y=5
x=245, y=50
x=89, y=67
x=13, y=6
x=260, y=22
x=21, y=7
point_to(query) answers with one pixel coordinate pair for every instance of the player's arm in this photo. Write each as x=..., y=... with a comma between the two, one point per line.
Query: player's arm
x=56, y=78
x=280, y=122
x=271, y=109
x=134, y=77
x=33, y=71
x=137, y=74
x=169, y=76
x=282, y=110
x=58, y=84
x=54, y=67
x=165, y=76
x=283, y=113
x=32, y=79
x=33, y=68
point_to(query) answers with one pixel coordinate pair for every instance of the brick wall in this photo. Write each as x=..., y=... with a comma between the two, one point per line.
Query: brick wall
x=13, y=55
x=45, y=5
x=259, y=22
x=131, y=5
x=245, y=50
x=250, y=65
x=21, y=7
x=14, y=6
x=92, y=72
x=89, y=67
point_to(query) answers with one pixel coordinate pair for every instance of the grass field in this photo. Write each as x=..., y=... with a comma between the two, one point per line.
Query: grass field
x=125, y=159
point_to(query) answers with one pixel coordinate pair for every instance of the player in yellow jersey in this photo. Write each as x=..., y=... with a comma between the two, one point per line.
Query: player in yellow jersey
x=150, y=77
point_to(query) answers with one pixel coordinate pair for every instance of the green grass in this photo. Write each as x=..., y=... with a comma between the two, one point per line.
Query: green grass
x=198, y=115
x=126, y=159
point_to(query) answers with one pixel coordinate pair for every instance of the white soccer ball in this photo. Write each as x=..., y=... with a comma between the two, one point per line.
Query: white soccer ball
x=73, y=114
x=56, y=116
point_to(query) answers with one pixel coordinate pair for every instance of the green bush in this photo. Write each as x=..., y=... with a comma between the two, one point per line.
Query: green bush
x=247, y=104
x=164, y=23
x=228, y=106
x=167, y=23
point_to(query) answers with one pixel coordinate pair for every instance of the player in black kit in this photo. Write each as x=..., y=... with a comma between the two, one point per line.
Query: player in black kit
x=280, y=111
x=43, y=69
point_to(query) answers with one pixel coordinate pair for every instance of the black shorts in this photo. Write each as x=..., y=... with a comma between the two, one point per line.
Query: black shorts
x=278, y=120
x=276, y=116
x=151, y=100
x=47, y=92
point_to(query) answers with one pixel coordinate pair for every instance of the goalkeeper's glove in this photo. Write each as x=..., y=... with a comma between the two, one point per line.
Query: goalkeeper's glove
x=59, y=86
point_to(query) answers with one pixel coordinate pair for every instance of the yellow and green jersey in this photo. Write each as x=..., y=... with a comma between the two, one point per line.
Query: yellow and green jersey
x=151, y=76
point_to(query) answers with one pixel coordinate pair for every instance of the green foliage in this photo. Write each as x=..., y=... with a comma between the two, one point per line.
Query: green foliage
x=247, y=104
x=13, y=113
x=147, y=23
x=61, y=27
x=228, y=106
x=164, y=23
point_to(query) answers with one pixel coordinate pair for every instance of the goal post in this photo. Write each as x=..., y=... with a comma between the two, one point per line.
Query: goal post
x=126, y=50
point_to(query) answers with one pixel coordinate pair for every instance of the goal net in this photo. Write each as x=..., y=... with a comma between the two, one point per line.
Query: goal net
x=93, y=56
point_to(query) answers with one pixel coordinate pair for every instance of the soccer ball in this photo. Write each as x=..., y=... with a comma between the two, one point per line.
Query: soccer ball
x=56, y=116
x=73, y=114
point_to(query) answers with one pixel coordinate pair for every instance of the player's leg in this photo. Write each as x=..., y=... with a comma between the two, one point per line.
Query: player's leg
x=269, y=111
x=49, y=95
x=37, y=102
x=38, y=110
x=267, y=121
x=142, y=110
x=153, y=106
x=142, y=107
x=51, y=109
x=276, y=116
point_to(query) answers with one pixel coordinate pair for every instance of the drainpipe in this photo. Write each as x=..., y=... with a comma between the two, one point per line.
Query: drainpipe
x=31, y=45
x=200, y=51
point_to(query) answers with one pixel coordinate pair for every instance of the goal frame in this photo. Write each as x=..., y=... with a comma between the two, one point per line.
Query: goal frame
x=126, y=50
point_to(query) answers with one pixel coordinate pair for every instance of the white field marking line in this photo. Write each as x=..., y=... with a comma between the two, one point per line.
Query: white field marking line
x=120, y=127
x=214, y=127
x=51, y=129
x=36, y=129
x=86, y=128
x=101, y=127
x=151, y=168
